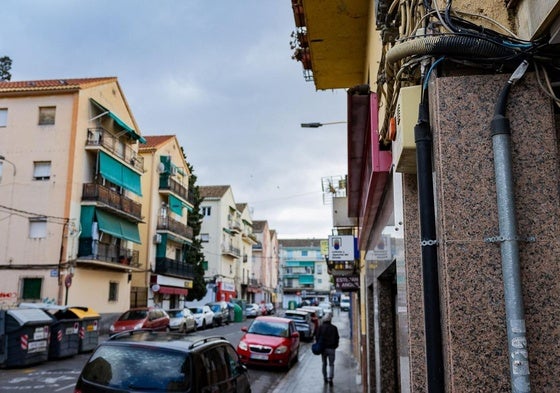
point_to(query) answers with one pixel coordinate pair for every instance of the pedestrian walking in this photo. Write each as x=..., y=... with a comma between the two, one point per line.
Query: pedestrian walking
x=328, y=337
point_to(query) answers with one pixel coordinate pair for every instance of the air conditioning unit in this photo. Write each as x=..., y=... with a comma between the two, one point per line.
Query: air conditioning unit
x=406, y=117
x=173, y=170
x=157, y=238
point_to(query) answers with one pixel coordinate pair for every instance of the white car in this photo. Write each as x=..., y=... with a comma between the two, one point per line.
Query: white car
x=326, y=306
x=204, y=316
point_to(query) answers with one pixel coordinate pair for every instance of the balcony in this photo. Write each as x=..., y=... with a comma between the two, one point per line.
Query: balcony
x=235, y=226
x=174, y=226
x=112, y=200
x=90, y=250
x=297, y=286
x=170, y=267
x=168, y=184
x=99, y=137
x=231, y=251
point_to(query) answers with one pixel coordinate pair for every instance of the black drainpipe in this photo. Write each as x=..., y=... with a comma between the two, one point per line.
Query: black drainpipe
x=432, y=313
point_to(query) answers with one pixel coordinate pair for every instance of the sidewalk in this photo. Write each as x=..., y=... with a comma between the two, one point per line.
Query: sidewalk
x=306, y=376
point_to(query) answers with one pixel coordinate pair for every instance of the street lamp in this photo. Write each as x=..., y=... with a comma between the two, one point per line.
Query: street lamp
x=2, y=159
x=317, y=125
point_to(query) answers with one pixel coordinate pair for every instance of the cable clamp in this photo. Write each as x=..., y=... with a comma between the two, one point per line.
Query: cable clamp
x=501, y=239
x=429, y=243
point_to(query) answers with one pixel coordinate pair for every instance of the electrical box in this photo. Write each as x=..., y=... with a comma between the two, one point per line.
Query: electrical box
x=406, y=117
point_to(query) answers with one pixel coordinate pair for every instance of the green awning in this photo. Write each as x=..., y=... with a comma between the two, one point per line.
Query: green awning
x=86, y=219
x=121, y=123
x=175, y=205
x=119, y=174
x=117, y=227
x=306, y=279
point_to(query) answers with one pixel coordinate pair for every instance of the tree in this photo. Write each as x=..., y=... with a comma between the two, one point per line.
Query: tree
x=5, y=67
x=194, y=253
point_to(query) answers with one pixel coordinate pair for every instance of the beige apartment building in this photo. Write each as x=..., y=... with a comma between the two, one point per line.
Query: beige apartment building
x=70, y=189
x=264, y=282
x=165, y=277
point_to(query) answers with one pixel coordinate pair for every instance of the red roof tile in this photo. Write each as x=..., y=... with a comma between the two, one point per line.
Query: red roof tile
x=153, y=141
x=53, y=84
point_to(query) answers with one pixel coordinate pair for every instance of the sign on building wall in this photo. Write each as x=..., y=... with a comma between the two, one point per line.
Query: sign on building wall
x=342, y=248
x=347, y=283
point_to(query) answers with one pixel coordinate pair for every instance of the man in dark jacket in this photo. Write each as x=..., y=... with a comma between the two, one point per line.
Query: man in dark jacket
x=328, y=335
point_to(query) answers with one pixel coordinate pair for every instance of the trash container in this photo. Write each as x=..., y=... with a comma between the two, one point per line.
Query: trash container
x=292, y=305
x=243, y=304
x=89, y=328
x=237, y=313
x=24, y=337
x=65, y=328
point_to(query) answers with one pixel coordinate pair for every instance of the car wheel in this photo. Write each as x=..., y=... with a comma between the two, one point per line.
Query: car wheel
x=183, y=329
x=204, y=325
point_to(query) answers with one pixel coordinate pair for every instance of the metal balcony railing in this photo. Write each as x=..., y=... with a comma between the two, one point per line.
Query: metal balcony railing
x=170, y=267
x=100, y=137
x=174, y=226
x=101, y=194
x=167, y=183
x=230, y=250
x=93, y=250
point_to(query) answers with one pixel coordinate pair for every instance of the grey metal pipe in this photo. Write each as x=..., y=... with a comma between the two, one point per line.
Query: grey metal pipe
x=509, y=243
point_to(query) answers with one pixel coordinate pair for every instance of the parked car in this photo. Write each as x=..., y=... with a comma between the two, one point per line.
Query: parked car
x=145, y=361
x=270, y=310
x=326, y=306
x=252, y=310
x=304, y=324
x=181, y=319
x=345, y=303
x=141, y=318
x=270, y=341
x=221, y=312
x=318, y=310
x=204, y=316
x=262, y=307
x=313, y=315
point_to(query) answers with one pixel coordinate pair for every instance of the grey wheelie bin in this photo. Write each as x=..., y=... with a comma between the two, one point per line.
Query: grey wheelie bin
x=89, y=328
x=24, y=337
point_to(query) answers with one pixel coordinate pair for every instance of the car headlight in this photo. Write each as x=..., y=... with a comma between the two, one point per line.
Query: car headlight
x=138, y=326
x=281, y=349
x=112, y=328
x=243, y=346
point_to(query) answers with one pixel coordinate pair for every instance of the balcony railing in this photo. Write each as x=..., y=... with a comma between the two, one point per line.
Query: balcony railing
x=170, y=267
x=167, y=183
x=174, y=226
x=92, y=249
x=100, y=137
x=294, y=286
x=101, y=194
x=235, y=226
x=230, y=250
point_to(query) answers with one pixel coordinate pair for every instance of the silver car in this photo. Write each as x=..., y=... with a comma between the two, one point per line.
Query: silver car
x=181, y=319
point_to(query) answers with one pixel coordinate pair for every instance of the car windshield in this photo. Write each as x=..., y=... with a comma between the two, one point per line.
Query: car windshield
x=196, y=310
x=215, y=308
x=132, y=368
x=134, y=315
x=296, y=317
x=175, y=313
x=277, y=329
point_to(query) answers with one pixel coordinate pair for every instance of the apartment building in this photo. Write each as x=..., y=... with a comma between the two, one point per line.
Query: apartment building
x=303, y=271
x=264, y=281
x=166, y=275
x=70, y=189
x=249, y=239
x=226, y=235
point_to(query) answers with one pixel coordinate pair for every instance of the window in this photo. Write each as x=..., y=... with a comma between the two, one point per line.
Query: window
x=319, y=269
x=38, y=228
x=3, y=117
x=303, y=253
x=206, y=210
x=41, y=170
x=31, y=289
x=46, y=115
x=204, y=237
x=113, y=291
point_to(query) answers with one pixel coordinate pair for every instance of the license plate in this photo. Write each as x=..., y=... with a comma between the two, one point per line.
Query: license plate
x=258, y=356
x=36, y=346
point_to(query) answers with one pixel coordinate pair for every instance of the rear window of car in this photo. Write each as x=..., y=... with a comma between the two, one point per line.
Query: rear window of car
x=134, y=315
x=175, y=313
x=132, y=368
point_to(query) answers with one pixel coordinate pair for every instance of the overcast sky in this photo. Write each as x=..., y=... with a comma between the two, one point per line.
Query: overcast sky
x=218, y=74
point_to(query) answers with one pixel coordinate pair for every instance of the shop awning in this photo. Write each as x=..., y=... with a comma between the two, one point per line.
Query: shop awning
x=119, y=174
x=117, y=227
x=173, y=290
x=121, y=123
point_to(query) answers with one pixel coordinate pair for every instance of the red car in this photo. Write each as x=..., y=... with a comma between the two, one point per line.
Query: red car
x=141, y=318
x=270, y=341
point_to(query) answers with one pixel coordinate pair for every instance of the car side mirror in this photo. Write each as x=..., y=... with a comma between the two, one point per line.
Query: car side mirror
x=244, y=329
x=295, y=334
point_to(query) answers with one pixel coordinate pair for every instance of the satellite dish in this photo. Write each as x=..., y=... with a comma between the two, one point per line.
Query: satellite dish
x=161, y=167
